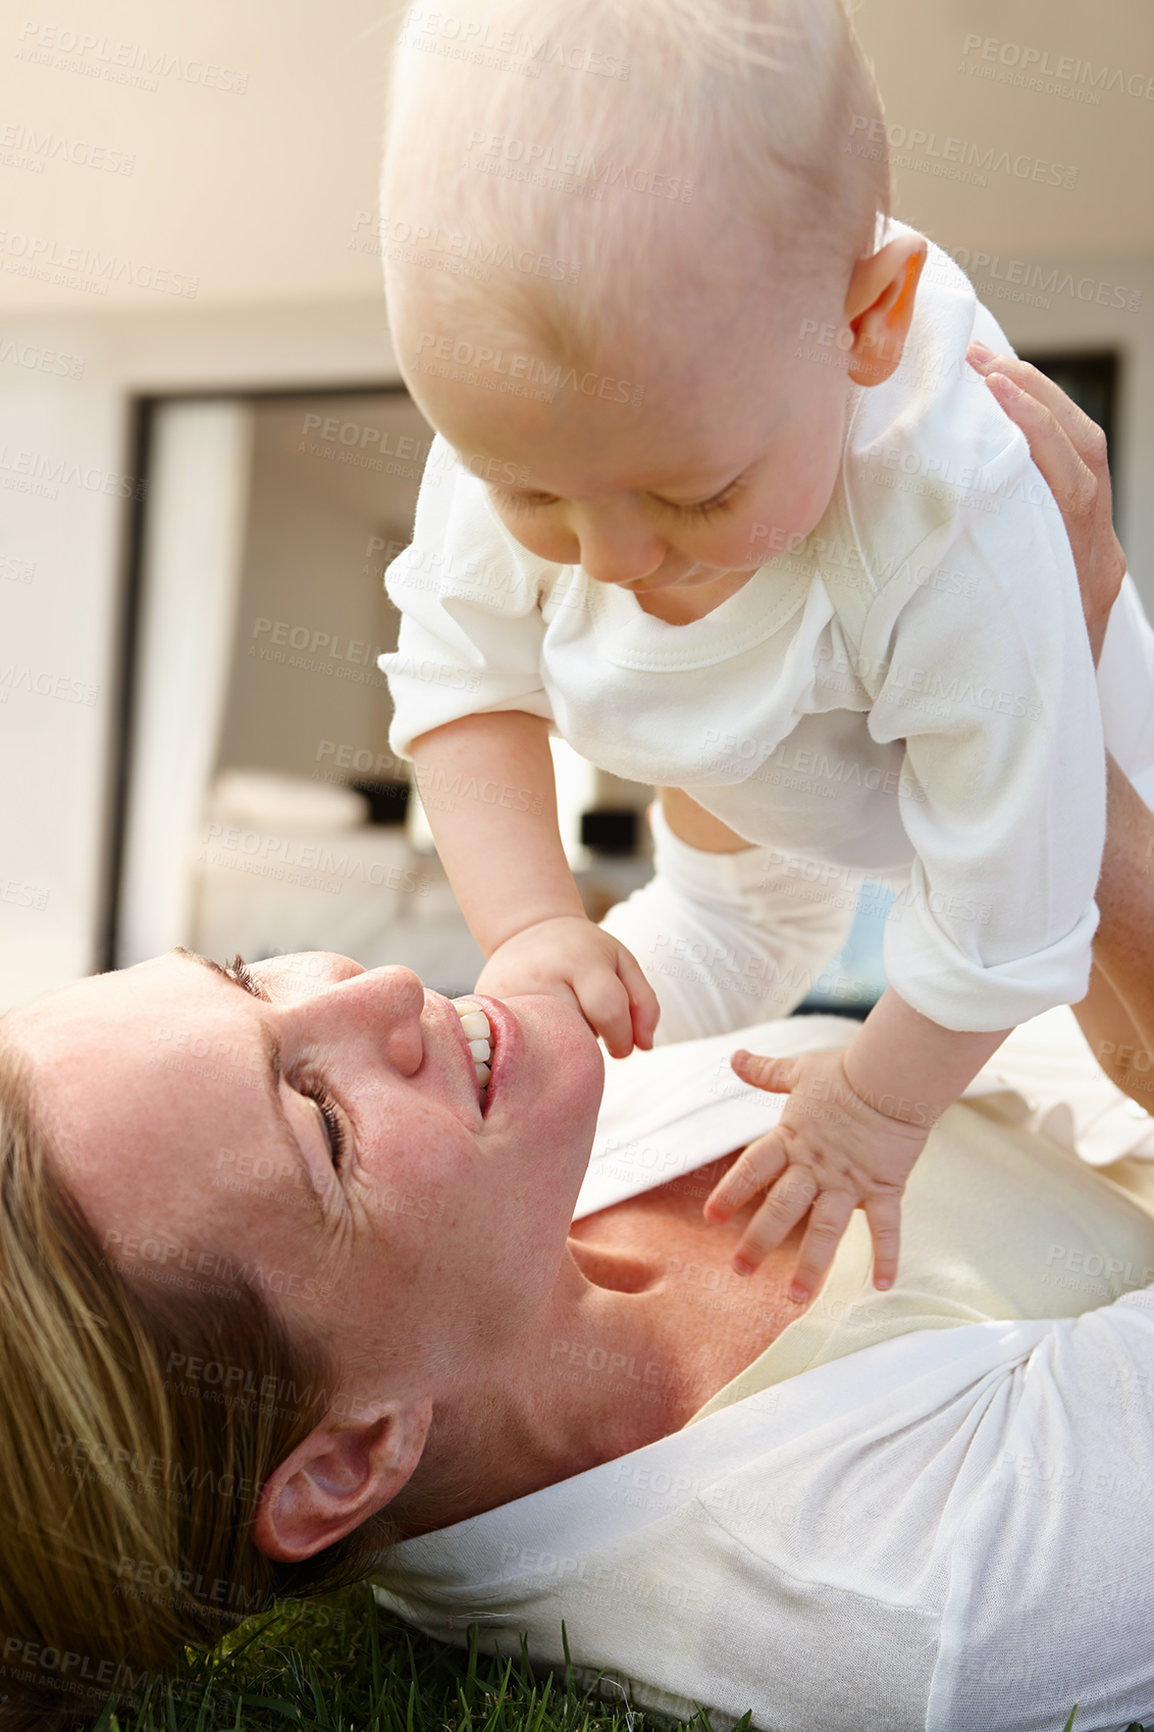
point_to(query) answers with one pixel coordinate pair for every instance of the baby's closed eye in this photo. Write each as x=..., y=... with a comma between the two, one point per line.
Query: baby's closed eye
x=523, y=503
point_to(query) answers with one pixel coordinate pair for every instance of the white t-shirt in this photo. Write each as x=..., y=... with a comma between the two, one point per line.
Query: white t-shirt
x=908, y=694
x=949, y=1527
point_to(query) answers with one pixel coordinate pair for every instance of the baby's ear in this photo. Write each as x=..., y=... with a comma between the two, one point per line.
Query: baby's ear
x=879, y=307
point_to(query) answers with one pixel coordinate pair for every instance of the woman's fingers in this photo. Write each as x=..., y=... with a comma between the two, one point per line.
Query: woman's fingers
x=1070, y=451
x=1069, y=478
x=1085, y=435
x=754, y=1169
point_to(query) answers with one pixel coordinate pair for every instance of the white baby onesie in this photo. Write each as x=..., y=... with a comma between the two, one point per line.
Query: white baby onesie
x=909, y=694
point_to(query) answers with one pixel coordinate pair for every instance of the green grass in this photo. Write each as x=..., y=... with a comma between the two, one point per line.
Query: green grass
x=341, y=1664
x=1134, y=1725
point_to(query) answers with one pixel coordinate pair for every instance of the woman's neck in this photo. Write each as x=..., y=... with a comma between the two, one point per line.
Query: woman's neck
x=646, y=1322
x=603, y=1373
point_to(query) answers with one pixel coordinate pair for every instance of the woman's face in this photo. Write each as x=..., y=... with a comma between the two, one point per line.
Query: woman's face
x=327, y=1137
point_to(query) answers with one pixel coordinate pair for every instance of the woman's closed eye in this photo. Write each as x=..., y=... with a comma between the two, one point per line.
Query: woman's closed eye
x=312, y=1087
x=335, y=1133
x=239, y=970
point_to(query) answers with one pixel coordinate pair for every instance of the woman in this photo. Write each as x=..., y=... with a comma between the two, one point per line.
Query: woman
x=281, y=1287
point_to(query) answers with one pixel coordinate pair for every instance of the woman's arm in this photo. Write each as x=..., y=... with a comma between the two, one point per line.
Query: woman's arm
x=1117, y=1014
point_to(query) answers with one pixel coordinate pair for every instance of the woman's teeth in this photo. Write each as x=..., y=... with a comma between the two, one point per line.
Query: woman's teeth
x=475, y=1027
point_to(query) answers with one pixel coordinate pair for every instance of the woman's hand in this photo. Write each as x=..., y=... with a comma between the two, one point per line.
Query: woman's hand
x=1070, y=450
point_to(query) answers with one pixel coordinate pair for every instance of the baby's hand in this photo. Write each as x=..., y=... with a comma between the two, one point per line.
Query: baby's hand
x=830, y=1153
x=569, y=957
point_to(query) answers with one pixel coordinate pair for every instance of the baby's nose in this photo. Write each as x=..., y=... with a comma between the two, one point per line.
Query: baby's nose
x=618, y=549
x=620, y=561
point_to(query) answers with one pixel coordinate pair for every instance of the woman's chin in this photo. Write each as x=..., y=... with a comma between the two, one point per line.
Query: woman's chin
x=566, y=1076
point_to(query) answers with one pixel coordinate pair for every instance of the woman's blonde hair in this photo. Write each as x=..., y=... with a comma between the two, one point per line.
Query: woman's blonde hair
x=539, y=156
x=127, y=1488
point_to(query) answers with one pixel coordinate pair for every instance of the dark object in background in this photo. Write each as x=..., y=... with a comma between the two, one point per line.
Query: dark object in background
x=388, y=801
x=609, y=830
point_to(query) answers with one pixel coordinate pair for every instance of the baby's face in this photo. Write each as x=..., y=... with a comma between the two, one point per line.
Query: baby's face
x=711, y=457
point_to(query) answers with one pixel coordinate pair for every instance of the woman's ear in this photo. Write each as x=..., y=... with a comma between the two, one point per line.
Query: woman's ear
x=341, y=1474
x=879, y=307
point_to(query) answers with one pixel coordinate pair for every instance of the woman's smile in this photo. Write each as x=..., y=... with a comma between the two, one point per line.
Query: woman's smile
x=488, y=1034
x=476, y=1028
x=504, y=1046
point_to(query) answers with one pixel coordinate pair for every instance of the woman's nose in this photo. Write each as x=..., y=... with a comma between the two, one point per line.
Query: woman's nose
x=379, y=1009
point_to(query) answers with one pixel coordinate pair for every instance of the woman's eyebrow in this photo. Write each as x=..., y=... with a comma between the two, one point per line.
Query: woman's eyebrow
x=272, y=1075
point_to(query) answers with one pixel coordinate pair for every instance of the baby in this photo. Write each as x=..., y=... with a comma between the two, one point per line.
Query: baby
x=717, y=498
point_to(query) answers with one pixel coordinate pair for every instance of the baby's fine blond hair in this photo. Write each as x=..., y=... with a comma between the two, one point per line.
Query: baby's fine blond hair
x=565, y=167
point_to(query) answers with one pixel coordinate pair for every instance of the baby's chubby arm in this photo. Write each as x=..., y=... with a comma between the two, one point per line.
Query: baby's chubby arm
x=854, y=1124
x=508, y=870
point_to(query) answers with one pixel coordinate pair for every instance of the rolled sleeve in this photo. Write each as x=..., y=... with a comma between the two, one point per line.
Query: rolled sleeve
x=469, y=598
x=991, y=686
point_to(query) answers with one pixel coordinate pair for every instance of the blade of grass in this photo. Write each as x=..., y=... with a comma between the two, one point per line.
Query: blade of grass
x=274, y=1704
